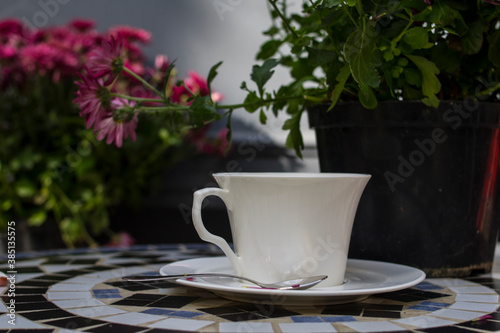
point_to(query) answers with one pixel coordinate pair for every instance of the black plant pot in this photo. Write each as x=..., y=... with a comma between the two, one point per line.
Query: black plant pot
x=433, y=201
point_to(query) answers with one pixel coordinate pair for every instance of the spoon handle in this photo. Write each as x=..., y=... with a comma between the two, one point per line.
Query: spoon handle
x=304, y=283
x=143, y=278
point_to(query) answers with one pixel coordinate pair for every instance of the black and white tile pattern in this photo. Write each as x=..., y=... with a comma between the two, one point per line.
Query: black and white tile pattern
x=82, y=291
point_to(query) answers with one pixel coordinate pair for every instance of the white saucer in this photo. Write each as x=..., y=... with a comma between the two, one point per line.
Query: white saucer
x=362, y=279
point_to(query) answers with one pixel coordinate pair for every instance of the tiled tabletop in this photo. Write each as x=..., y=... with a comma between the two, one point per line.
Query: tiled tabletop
x=82, y=291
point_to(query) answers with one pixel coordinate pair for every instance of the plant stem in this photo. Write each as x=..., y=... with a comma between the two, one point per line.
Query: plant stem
x=398, y=38
x=137, y=77
x=490, y=90
x=187, y=88
x=359, y=8
x=88, y=238
x=330, y=37
x=65, y=200
x=162, y=108
x=263, y=102
x=346, y=10
x=283, y=18
x=137, y=99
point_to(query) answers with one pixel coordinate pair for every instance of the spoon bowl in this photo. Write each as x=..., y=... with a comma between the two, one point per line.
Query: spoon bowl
x=295, y=284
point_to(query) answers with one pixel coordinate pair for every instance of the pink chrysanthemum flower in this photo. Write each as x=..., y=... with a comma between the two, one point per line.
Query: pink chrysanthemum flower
x=217, y=96
x=7, y=52
x=161, y=63
x=107, y=60
x=93, y=99
x=493, y=2
x=131, y=34
x=40, y=57
x=49, y=58
x=136, y=67
x=82, y=25
x=58, y=34
x=116, y=127
x=195, y=83
x=216, y=146
x=121, y=239
x=11, y=27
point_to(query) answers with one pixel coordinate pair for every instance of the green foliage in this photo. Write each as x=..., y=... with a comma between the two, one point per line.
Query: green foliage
x=203, y=111
x=211, y=76
x=51, y=167
x=261, y=74
x=430, y=83
x=373, y=50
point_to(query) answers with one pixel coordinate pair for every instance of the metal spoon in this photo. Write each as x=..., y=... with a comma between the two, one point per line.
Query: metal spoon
x=282, y=285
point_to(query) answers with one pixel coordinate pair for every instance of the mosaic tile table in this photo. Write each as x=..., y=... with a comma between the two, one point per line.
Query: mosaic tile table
x=82, y=291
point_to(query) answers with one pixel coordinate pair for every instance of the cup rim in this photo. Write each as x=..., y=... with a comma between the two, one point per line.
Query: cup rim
x=291, y=174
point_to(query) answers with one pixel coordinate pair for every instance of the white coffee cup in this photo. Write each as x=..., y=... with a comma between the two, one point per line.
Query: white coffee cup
x=286, y=225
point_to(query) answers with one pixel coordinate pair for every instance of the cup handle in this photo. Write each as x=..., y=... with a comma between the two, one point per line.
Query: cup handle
x=204, y=234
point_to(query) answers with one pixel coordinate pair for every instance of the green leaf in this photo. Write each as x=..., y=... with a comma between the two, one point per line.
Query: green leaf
x=445, y=59
x=410, y=93
x=299, y=44
x=211, y=76
x=37, y=218
x=71, y=229
x=331, y=3
x=229, y=134
x=26, y=159
x=271, y=31
x=261, y=74
x=361, y=53
x=25, y=188
x=413, y=77
x=301, y=68
x=388, y=80
x=285, y=92
x=384, y=3
x=472, y=41
x=268, y=49
x=401, y=5
x=417, y=38
x=252, y=102
x=293, y=106
x=168, y=72
x=422, y=16
x=430, y=83
x=243, y=86
x=388, y=55
x=262, y=117
x=367, y=97
x=6, y=205
x=294, y=139
x=442, y=14
x=344, y=74
x=203, y=111
x=320, y=57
